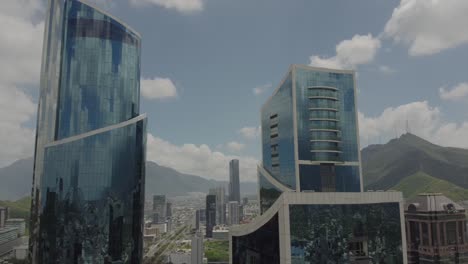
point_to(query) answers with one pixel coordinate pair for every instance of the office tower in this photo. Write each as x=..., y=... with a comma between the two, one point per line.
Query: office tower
x=234, y=185
x=168, y=209
x=233, y=213
x=159, y=209
x=245, y=200
x=197, y=219
x=89, y=167
x=210, y=214
x=3, y=216
x=197, y=248
x=436, y=230
x=312, y=206
x=220, y=206
x=202, y=216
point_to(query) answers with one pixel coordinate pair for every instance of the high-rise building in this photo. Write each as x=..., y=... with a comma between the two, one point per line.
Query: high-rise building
x=197, y=248
x=233, y=213
x=313, y=209
x=3, y=216
x=210, y=214
x=220, y=206
x=168, y=209
x=234, y=184
x=159, y=209
x=89, y=173
x=436, y=230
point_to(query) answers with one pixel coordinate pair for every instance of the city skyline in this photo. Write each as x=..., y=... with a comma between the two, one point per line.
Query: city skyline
x=391, y=64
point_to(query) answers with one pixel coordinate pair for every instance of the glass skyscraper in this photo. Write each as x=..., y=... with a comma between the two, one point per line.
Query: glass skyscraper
x=89, y=169
x=313, y=208
x=234, y=182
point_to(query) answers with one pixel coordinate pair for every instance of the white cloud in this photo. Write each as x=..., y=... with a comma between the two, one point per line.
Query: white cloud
x=386, y=69
x=423, y=120
x=429, y=26
x=457, y=93
x=361, y=49
x=198, y=159
x=158, y=88
x=184, y=6
x=20, y=53
x=235, y=146
x=250, y=132
x=261, y=89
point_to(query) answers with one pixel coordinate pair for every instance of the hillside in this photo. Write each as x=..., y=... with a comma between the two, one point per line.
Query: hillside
x=403, y=163
x=423, y=183
x=15, y=181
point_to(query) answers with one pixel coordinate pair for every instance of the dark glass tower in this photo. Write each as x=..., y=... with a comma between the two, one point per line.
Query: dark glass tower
x=312, y=206
x=234, y=184
x=210, y=214
x=89, y=173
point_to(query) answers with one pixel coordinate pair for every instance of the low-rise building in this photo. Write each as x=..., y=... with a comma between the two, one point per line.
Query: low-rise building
x=221, y=233
x=436, y=230
x=19, y=223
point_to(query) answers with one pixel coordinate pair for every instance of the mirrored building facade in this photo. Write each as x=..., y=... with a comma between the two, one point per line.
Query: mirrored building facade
x=310, y=180
x=88, y=183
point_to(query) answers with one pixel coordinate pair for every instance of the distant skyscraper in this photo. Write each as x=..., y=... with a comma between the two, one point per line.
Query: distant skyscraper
x=220, y=206
x=197, y=220
x=3, y=216
x=210, y=214
x=436, y=230
x=168, y=209
x=234, y=184
x=89, y=174
x=310, y=185
x=159, y=209
x=197, y=248
x=233, y=213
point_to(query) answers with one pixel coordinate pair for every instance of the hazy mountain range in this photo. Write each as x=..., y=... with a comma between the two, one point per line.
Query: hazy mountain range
x=409, y=164
x=16, y=179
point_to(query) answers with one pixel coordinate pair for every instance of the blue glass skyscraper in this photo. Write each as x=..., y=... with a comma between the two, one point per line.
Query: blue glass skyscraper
x=89, y=169
x=311, y=197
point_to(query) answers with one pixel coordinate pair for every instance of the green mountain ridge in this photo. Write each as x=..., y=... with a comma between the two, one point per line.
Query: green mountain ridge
x=420, y=182
x=409, y=162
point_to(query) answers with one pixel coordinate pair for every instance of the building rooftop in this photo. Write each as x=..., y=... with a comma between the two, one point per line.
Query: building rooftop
x=432, y=202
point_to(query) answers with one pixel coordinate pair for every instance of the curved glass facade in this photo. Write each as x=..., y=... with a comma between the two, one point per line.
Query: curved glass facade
x=92, y=190
x=334, y=92
x=88, y=184
x=260, y=246
x=277, y=135
x=100, y=65
x=351, y=233
x=267, y=191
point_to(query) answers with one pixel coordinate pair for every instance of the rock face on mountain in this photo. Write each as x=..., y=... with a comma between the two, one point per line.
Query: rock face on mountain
x=410, y=163
x=16, y=179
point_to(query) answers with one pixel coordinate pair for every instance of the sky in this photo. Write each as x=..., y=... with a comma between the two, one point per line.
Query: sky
x=209, y=65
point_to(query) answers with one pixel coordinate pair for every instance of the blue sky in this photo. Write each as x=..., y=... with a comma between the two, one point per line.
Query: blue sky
x=202, y=61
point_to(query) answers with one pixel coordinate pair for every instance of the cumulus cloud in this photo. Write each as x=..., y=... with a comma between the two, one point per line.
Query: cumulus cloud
x=198, y=159
x=429, y=27
x=20, y=53
x=261, y=89
x=250, y=132
x=423, y=120
x=458, y=92
x=235, y=146
x=158, y=88
x=361, y=49
x=184, y=6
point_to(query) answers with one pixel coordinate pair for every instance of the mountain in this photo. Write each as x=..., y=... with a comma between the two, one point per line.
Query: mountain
x=16, y=179
x=408, y=163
